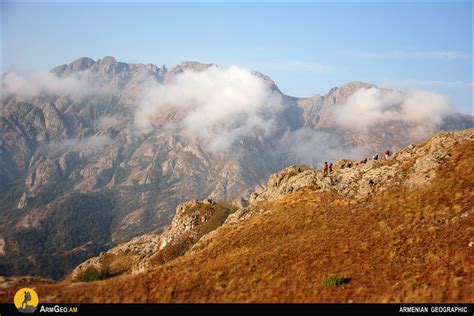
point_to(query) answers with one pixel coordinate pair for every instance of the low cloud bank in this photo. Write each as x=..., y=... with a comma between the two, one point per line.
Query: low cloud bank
x=312, y=147
x=220, y=107
x=77, y=86
x=422, y=111
x=215, y=106
x=87, y=145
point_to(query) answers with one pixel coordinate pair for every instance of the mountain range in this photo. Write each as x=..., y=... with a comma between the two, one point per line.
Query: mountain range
x=94, y=153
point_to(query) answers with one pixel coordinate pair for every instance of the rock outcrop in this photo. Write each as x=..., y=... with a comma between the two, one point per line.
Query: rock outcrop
x=412, y=167
x=193, y=219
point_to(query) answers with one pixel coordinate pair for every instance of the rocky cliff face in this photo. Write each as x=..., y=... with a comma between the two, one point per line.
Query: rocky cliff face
x=57, y=146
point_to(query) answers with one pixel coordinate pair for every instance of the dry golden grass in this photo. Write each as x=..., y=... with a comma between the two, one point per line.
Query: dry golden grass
x=112, y=265
x=397, y=246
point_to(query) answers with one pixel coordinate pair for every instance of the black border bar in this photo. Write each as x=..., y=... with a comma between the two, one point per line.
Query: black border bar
x=324, y=309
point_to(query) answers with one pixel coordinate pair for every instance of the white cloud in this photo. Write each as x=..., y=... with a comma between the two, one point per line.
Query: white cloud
x=87, y=145
x=216, y=106
x=420, y=110
x=310, y=146
x=76, y=86
x=106, y=122
x=219, y=107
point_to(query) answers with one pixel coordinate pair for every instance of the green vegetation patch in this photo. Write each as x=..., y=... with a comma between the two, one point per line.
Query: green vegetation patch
x=335, y=280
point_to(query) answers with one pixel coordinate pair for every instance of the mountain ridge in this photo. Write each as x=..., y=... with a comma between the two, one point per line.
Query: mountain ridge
x=87, y=63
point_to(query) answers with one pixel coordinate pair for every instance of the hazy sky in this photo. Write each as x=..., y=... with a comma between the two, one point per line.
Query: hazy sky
x=306, y=48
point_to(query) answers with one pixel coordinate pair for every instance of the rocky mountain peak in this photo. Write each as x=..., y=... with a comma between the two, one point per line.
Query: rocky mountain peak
x=119, y=74
x=268, y=81
x=80, y=64
x=338, y=95
x=188, y=65
x=107, y=60
x=109, y=66
x=356, y=85
x=194, y=65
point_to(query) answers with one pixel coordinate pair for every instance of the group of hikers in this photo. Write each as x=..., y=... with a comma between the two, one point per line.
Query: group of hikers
x=327, y=169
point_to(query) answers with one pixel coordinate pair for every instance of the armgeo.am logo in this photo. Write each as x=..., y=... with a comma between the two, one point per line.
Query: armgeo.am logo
x=26, y=300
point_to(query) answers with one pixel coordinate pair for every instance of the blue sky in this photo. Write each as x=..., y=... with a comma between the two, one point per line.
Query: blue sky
x=306, y=48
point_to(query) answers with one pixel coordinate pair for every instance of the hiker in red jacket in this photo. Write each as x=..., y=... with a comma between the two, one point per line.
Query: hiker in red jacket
x=325, y=169
x=387, y=154
x=330, y=167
